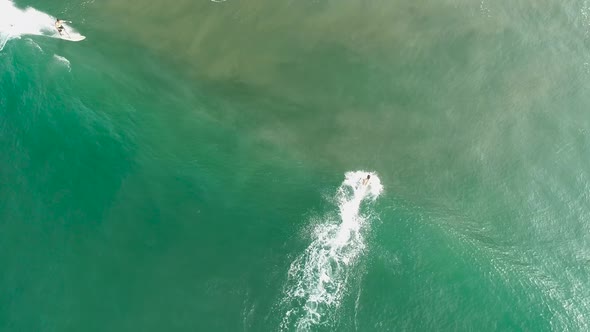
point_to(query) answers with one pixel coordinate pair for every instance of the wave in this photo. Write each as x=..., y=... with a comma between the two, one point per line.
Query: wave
x=317, y=279
x=16, y=22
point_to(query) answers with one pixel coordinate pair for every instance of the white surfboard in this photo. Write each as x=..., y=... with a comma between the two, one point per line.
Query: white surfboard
x=69, y=34
x=72, y=37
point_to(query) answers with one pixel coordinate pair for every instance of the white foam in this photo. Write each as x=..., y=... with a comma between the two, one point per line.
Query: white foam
x=35, y=45
x=16, y=22
x=63, y=60
x=317, y=279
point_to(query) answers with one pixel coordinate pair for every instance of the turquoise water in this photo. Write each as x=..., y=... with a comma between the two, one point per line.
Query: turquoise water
x=196, y=166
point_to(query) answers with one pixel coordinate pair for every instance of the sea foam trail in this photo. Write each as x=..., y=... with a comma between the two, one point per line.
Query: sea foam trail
x=317, y=279
x=16, y=22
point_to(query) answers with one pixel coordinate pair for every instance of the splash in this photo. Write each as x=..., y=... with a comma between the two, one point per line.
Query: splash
x=16, y=22
x=317, y=279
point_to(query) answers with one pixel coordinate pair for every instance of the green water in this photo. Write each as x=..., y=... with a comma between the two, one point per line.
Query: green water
x=188, y=155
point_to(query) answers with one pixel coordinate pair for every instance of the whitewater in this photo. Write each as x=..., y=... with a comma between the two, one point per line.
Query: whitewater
x=16, y=22
x=318, y=278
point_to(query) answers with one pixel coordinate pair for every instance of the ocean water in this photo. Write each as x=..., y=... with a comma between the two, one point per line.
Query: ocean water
x=199, y=166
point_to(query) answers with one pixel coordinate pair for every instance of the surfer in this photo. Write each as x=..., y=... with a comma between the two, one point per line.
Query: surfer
x=366, y=180
x=59, y=26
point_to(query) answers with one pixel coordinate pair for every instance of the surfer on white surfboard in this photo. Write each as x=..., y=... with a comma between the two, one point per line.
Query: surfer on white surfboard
x=59, y=26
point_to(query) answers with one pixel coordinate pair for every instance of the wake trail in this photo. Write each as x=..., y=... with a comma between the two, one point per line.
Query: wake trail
x=317, y=279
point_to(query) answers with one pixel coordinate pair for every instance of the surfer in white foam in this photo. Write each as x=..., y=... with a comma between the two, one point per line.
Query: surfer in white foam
x=366, y=180
x=60, y=27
